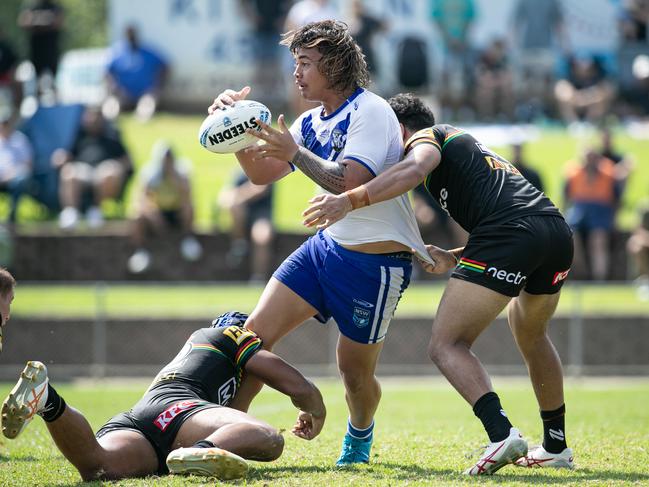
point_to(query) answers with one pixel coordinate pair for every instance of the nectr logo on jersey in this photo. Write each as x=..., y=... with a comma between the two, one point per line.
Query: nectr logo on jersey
x=481, y=268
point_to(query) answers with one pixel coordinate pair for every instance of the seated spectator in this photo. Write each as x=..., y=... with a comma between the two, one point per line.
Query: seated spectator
x=528, y=172
x=164, y=203
x=251, y=208
x=494, y=89
x=136, y=76
x=15, y=161
x=585, y=93
x=98, y=165
x=638, y=247
x=592, y=195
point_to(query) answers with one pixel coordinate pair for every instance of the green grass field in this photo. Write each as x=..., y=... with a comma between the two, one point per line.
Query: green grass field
x=207, y=300
x=211, y=172
x=423, y=431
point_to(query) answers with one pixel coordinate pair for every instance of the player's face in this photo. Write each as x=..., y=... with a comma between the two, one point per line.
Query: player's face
x=310, y=82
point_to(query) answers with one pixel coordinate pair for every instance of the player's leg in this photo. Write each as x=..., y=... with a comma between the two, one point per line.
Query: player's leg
x=357, y=364
x=465, y=310
x=279, y=310
x=529, y=316
x=216, y=441
x=71, y=431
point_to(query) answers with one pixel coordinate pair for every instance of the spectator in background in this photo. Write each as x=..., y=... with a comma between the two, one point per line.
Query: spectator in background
x=586, y=92
x=136, y=76
x=592, y=196
x=164, y=203
x=267, y=20
x=10, y=88
x=638, y=247
x=494, y=89
x=15, y=161
x=98, y=164
x=43, y=22
x=453, y=19
x=623, y=162
x=363, y=27
x=251, y=209
x=528, y=172
x=537, y=34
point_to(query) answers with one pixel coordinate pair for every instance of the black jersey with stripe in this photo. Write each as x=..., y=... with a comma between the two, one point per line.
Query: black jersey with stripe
x=473, y=184
x=210, y=363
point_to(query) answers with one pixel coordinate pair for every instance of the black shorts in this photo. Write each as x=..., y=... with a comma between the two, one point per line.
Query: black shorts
x=533, y=253
x=158, y=416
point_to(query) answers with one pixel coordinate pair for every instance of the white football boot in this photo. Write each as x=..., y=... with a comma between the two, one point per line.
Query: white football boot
x=540, y=458
x=210, y=462
x=499, y=454
x=25, y=400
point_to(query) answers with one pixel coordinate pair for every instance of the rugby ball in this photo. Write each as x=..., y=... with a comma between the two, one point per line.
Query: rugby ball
x=224, y=131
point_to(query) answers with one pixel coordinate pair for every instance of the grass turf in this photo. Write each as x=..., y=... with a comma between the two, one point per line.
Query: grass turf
x=208, y=300
x=423, y=431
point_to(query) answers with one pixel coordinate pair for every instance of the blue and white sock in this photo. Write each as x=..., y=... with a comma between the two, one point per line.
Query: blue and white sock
x=360, y=434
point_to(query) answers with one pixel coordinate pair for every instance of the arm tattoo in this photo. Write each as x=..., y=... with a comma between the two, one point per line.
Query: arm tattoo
x=328, y=175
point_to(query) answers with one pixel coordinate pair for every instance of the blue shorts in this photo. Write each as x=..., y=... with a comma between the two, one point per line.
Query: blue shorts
x=360, y=291
x=585, y=217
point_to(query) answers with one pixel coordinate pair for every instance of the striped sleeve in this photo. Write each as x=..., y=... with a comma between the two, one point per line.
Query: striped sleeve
x=250, y=345
x=424, y=136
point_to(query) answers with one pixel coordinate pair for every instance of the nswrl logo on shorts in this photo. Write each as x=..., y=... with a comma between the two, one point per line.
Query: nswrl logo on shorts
x=361, y=317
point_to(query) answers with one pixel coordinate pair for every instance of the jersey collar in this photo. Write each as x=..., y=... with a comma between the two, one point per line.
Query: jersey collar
x=357, y=92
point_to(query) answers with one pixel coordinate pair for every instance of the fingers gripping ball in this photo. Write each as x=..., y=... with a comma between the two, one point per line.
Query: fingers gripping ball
x=224, y=131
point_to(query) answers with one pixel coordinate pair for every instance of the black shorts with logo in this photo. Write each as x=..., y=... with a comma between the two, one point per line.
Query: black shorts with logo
x=533, y=253
x=158, y=416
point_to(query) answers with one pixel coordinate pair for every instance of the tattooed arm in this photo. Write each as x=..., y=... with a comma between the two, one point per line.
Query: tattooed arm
x=335, y=177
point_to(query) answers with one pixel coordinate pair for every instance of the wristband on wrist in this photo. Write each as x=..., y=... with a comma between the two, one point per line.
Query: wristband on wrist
x=358, y=197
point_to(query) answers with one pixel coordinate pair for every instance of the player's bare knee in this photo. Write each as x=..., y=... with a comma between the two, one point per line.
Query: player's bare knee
x=272, y=444
x=354, y=380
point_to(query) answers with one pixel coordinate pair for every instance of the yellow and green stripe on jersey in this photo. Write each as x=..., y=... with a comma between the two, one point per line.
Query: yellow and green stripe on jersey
x=472, y=265
x=428, y=136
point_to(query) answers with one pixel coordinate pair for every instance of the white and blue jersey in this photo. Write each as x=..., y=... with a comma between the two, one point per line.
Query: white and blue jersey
x=360, y=291
x=366, y=130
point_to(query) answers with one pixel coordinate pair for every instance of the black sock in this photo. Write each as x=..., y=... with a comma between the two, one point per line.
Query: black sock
x=203, y=444
x=493, y=417
x=554, y=422
x=54, y=406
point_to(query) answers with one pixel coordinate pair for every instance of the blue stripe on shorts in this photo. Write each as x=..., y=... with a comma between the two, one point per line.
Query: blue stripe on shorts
x=360, y=291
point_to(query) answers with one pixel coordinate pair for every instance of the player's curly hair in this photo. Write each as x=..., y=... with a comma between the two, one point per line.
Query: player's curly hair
x=342, y=63
x=411, y=111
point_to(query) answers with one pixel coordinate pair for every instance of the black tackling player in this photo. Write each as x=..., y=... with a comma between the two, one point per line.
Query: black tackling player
x=182, y=423
x=518, y=255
